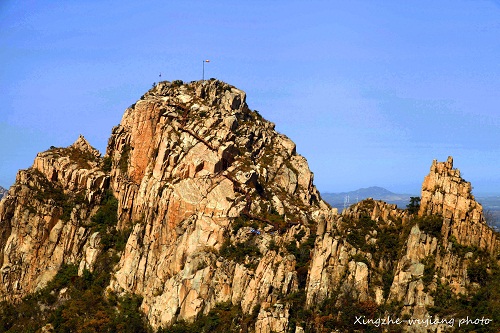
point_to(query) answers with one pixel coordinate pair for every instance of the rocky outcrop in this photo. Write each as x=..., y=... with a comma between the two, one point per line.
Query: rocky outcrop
x=446, y=194
x=42, y=221
x=216, y=207
x=387, y=256
x=353, y=253
x=448, y=236
x=188, y=162
x=212, y=195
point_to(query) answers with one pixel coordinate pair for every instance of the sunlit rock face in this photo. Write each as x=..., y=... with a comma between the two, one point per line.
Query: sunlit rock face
x=445, y=193
x=212, y=194
x=218, y=207
x=188, y=161
x=43, y=220
x=385, y=255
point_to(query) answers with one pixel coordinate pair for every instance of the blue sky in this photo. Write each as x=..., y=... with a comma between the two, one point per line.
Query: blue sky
x=371, y=91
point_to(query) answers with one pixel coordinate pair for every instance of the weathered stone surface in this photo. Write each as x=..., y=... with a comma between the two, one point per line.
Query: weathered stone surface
x=445, y=193
x=273, y=319
x=334, y=268
x=43, y=221
x=188, y=161
x=222, y=209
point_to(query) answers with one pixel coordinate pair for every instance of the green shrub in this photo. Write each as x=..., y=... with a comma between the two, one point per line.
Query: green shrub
x=356, y=239
x=177, y=83
x=240, y=222
x=124, y=158
x=273, y=246
x=302, y=256
x=462, y=250
x=431, y=225
x=446, y=303
x=429, y=270
x=82, y=158
x=302, y=253
x=85, y=308
x=338, y=312
x=299, y=315
x=389, y=243
x=48, y=190
x=387, y=279
x=240, y=251
x=107, y=163
x=414, y=205
x=224, y=317
x=359, y=229
x=358, y=257
x=476, y=272
x=300, y=235
x=105, y=220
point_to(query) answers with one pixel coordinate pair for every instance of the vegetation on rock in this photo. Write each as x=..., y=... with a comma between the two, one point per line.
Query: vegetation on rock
x=224, y=317
x=73, y=302
x=217, y=188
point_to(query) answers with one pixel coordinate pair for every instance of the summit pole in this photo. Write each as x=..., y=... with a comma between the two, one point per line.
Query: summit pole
x=203, y=75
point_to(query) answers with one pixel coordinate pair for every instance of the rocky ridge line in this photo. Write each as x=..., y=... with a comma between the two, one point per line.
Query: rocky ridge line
x=218, y=208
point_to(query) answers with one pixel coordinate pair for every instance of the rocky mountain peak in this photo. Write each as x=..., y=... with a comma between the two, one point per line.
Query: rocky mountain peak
x=444, y=192
x=447, y=194
x=84, y=146
x=205, y=111
x=199, y=207
x=196, y=171
x=43, y=224
x=205, y=129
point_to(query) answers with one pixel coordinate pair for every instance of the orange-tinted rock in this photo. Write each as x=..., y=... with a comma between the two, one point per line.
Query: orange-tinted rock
x=38, y=233
x=445, y=193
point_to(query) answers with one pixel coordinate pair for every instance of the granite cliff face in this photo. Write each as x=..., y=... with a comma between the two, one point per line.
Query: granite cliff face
x=189, y=163
x=215, y=211
x=44, y=216
x=446, y=194
x=408, y=265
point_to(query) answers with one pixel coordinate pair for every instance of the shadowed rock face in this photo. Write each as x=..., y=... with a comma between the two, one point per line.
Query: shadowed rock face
x=3, y=192
x=220, y=208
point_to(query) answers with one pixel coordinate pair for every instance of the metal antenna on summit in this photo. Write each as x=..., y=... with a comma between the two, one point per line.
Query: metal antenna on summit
x=203, y=75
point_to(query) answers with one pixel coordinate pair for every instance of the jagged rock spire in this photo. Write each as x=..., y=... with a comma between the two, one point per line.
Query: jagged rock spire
x=82, y=144
x=447, y=194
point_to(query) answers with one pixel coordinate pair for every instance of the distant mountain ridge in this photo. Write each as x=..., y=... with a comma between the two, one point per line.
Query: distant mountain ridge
x=337, y=200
